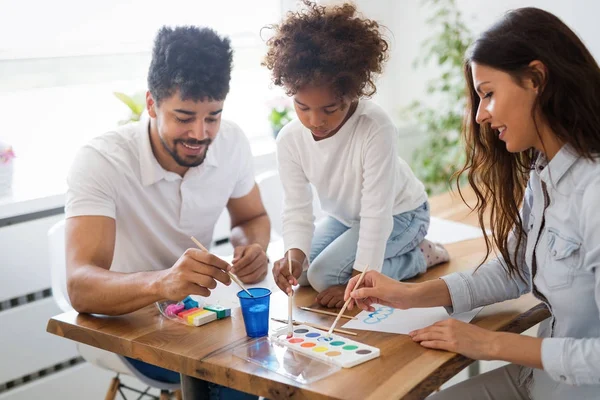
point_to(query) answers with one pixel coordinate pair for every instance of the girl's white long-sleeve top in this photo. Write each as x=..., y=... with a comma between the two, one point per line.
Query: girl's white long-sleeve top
x=358, y=176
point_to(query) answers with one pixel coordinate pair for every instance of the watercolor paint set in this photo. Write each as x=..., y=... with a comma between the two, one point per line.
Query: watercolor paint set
x=335, y=349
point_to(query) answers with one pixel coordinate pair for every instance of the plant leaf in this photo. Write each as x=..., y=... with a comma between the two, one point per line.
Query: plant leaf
x=135, y=105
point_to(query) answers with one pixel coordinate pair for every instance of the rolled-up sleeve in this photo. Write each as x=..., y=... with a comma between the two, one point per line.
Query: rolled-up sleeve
x=572, y=361
x=491, y=283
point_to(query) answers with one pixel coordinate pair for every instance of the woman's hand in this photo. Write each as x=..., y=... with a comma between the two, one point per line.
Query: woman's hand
x=458, y=337
x=377, y=288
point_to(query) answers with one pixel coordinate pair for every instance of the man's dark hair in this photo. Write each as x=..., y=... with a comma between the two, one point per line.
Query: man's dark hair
x=195, y=61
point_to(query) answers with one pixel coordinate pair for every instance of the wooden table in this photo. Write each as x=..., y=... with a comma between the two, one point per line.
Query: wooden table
x=404, y=369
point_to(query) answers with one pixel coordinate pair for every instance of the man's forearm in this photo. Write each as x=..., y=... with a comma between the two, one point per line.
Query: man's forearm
x=257, y=230
x=96, y=290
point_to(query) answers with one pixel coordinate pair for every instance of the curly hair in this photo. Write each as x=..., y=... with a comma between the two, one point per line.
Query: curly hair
x=331, y=46
x=195, y=61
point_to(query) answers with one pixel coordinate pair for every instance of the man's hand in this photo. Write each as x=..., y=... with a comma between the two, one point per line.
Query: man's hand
x=195, y=272
x=250, y=263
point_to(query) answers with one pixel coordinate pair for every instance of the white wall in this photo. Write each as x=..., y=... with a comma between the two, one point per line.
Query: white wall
x=400, y=83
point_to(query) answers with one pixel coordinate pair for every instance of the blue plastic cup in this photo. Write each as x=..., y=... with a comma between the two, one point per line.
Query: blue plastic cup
x=255, y=311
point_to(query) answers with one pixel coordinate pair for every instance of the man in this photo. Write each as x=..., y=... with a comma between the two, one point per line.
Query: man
x=136, y=195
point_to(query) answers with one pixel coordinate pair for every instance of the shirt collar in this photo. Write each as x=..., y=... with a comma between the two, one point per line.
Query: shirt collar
x=150, y=170
x=552, y=172
x=211, y=156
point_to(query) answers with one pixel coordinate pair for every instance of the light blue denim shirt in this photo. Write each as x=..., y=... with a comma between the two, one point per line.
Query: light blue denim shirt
x=567, y=276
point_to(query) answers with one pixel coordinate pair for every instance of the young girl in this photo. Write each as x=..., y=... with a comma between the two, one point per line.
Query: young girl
x=532, y=134
x=346, y=148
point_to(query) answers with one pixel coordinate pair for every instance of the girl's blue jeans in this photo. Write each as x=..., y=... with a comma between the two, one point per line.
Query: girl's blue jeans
x=334, y=245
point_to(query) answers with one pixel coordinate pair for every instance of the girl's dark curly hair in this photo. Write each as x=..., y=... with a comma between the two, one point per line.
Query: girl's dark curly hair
x=331, y=46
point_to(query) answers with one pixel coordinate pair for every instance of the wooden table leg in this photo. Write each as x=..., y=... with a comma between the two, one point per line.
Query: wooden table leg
x=193, y=388
x=113, y=389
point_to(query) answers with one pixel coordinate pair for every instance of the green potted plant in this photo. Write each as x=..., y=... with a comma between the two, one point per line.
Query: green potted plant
x=136, y=104
x=442, y=153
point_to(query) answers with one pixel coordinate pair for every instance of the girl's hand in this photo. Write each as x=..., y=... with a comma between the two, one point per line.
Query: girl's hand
x=281, y=273
x=458, y=337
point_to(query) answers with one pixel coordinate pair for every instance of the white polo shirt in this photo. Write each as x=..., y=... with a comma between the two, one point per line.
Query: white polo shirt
x=156, y=211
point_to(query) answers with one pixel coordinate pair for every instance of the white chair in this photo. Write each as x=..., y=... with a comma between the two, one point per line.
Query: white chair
x=101, y=358
x=271, y=191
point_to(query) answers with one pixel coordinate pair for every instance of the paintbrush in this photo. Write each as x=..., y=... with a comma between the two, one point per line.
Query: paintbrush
x=347, y=302
x=290, y=299
x=316, y=326
x=326, y=312
x=232, y=276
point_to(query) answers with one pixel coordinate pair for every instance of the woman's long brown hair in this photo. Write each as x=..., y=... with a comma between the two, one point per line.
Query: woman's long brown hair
x=568, y=100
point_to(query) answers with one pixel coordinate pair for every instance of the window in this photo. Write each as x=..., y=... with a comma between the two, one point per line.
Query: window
x=59, y=68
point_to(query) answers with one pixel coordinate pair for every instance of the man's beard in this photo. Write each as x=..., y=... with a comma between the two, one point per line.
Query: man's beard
x=186, y=161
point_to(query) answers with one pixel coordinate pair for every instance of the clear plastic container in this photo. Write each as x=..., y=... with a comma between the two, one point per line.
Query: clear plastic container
x=169, y=309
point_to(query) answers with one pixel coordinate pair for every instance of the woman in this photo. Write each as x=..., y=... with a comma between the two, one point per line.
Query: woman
x=532, y=136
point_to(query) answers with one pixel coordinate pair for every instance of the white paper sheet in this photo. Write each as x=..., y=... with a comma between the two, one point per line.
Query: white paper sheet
x=444, y=231
x=391, y=320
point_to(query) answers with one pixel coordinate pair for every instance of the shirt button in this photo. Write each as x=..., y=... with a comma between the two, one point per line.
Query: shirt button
x=554, y=253
x=563, y=378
